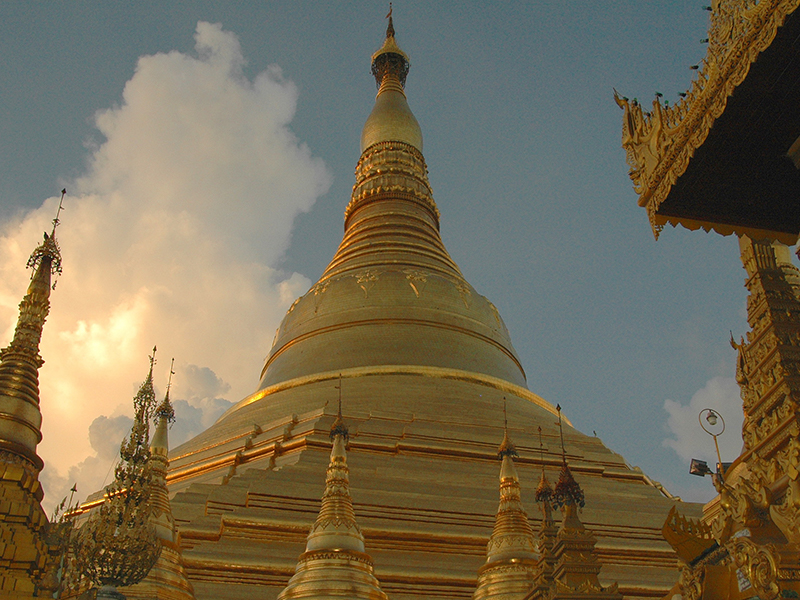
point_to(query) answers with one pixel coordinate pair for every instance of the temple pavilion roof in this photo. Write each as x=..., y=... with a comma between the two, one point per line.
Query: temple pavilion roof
x=726, y=156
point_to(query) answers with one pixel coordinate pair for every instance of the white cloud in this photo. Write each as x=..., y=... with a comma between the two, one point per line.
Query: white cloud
x=689, y=440
x=172, y=237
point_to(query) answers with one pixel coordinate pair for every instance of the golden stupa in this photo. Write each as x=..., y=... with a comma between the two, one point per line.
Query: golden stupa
x=424, y=363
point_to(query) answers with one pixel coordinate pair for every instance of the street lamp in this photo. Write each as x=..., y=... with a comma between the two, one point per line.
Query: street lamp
x=714, y=426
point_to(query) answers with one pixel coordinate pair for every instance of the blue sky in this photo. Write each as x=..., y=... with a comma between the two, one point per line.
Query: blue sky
x=522, y=139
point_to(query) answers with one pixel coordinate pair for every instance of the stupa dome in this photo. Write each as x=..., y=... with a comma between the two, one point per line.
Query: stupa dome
x=391, y=296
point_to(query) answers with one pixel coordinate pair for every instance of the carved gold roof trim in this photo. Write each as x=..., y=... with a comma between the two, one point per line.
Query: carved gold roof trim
x=660, y=144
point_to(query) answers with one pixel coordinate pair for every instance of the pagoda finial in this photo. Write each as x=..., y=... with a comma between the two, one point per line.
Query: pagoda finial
x=567, y=491
x=165, y=409
x=335, y=563
x=338, y=427
x=544, y=492
x=48, y=251
x=390, y=26
x=20, y=418
x=167, y=578
x=506, y=446
x=390, y=64
x=56, y=221
x=511, y=543
x=20, y=430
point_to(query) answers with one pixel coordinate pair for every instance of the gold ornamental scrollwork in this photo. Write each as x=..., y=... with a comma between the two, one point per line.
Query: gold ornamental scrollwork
x=416, y=279
x=366, y=280
x=759, y=565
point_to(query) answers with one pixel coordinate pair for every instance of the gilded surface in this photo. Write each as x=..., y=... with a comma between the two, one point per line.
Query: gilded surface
x=335, y=564
x=511, y=557
x=569, y=567
x=167, y=579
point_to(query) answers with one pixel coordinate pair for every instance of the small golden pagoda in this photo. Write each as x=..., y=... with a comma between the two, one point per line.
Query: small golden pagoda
x=117, y=544
x=511, y=557
x=23, y=524
x=569, y=568
x=335, y=563
x=726, y=158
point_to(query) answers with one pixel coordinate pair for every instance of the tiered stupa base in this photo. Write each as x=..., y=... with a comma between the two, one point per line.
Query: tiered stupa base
x=423, y=474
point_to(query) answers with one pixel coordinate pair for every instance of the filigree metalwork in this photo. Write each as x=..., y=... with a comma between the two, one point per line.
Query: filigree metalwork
x=390, y=60
x=567, y=490
x=117, y=546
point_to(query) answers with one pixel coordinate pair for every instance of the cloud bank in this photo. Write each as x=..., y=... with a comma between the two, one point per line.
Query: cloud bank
x=173, y=237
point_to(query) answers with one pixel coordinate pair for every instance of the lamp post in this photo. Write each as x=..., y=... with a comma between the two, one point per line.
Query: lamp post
x=714, y=426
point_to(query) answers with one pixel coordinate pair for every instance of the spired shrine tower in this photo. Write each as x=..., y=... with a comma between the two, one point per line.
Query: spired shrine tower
x=422, y=363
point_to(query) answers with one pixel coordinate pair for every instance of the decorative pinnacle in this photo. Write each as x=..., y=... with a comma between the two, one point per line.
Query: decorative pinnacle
x=567, y=491
x=390, y=61
x=165, y=409
x=544, y=492
x=56, y=221
x=338, y=427
x=506, y=447
x=390, y=26
x=48, y=249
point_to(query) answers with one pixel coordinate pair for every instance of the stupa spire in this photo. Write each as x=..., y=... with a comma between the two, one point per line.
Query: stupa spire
x=510, y=554
x=546, y=536
x=576, y=568
x=118, y=544
x=391, y=277
x=167, y=579
x=335, y=563
x=23, y=560
x=391, y=181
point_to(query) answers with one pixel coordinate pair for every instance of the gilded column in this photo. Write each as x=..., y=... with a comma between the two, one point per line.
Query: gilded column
x=23, y=551
x=768, y=367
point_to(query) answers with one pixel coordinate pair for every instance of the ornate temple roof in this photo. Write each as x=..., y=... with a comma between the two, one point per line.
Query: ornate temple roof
x=726, y=156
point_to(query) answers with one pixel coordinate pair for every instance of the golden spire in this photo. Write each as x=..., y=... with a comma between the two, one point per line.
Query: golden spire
x=575, y=565
x=391, y=119
x=117, y=545
x=21, y=420
x=547, y=530
x=335, y=563
x=568, y=492
x=510, y=554
x=167, y=579
x=25, y=551
x=391, y=262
